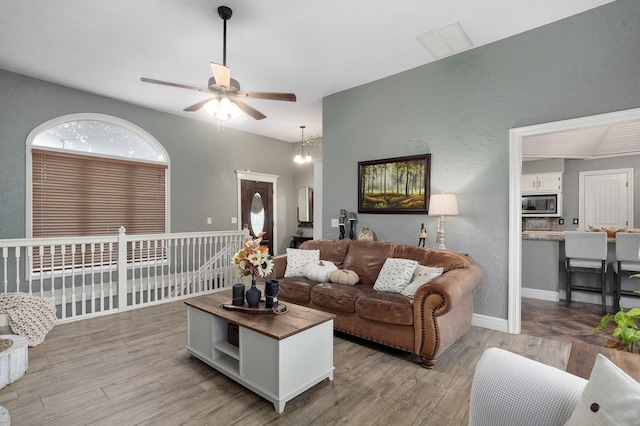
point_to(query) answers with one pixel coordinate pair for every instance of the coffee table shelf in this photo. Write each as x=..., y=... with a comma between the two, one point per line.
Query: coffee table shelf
x=278, y=356
x=227, y=348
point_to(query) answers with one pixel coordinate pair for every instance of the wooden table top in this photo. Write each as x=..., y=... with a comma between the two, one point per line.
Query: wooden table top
x=296, y=319
x=583, y=356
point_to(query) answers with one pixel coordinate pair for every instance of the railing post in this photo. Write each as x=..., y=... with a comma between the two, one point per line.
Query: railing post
x=122, y=269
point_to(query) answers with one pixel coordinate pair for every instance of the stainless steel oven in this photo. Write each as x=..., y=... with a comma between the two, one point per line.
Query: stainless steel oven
x=542, y=205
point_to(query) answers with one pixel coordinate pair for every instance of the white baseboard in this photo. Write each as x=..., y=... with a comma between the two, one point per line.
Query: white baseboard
x=551, y=296
x=491, y=323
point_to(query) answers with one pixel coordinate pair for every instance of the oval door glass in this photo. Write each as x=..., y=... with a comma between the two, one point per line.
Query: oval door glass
x=257, y=214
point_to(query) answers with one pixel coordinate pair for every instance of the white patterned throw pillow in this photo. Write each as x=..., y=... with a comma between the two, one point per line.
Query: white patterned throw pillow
x=395, y=275
x=422, y=275
x=611, y=397
x=297, y=259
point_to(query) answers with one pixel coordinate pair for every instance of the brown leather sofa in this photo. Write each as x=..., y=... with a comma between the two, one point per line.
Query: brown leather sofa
x=438, y=315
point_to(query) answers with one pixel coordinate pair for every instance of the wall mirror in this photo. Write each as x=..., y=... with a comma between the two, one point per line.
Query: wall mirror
x=305, y=206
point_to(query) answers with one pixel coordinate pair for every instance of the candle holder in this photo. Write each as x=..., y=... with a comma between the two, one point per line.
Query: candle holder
x=343, y=215
x=352, y=222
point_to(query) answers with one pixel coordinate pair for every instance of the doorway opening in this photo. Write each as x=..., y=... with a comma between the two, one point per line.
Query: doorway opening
x=516, y=137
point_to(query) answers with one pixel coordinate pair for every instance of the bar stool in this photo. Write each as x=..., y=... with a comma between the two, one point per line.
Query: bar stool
x=586, y=252
x=627, y=263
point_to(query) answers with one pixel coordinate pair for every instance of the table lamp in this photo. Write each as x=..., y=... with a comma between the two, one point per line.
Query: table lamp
x=442, y=205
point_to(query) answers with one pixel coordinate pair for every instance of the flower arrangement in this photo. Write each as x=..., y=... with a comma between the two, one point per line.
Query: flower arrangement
x=253, y=259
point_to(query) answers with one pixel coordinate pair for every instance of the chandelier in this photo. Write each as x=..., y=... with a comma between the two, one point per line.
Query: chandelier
x=301, y=157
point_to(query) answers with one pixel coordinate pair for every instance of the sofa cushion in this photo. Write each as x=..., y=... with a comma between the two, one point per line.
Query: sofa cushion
x=608, y=397
x=445, y=259
x=332, y=250
x=366, y=258
x=337, y=297
x=295, y=289
x=421, y=276
x=385, y=307
x=395, y=275
x=297, y=259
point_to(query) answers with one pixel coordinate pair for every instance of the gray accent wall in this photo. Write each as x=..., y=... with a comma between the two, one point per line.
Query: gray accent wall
x=460, y=110
x=203, y=158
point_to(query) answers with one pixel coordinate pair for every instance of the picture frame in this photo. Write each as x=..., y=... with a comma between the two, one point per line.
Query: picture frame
x=394, y=185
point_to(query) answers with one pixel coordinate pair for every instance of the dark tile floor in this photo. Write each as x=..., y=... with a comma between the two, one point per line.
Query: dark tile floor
x=552, y=320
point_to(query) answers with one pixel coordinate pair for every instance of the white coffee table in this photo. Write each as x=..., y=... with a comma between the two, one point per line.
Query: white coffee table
x=277, y=356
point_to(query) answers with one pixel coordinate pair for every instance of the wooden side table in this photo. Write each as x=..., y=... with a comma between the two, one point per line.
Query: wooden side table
x=583, y=356
x=297, y=240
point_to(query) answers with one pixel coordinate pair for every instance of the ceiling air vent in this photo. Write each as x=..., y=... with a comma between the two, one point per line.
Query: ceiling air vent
x=445, y=41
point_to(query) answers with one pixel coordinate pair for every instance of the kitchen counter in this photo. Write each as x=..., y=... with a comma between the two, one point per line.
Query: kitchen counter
x=543, y=235
x=550, y=236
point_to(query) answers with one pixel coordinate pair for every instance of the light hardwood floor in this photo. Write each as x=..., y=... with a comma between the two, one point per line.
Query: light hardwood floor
x=131, y=368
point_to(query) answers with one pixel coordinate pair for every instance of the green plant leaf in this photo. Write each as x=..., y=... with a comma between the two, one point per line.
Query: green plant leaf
x=634, y=312
x=603, y=322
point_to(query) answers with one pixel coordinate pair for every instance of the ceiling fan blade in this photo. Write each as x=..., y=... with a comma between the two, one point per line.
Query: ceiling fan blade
x=274, y=96
x=222, y=75
x=181, y=86
x=249, y=110
x=197, y=106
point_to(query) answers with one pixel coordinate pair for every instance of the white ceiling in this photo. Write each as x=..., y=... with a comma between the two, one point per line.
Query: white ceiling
x=311, y=48
x=613, y=140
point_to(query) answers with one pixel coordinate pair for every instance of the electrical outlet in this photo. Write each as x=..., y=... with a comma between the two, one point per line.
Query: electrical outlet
x=335, y=223
x=208, y=221
x=234, y=220
x=575, y=220
x=561, y=221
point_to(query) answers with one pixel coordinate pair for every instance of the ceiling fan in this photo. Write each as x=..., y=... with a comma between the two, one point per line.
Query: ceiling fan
x=225, y=102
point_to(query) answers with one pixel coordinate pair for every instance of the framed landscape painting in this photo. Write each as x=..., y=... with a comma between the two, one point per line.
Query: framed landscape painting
x=394, y=185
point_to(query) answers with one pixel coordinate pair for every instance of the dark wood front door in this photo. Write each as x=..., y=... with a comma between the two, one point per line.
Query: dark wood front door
x=257, y=209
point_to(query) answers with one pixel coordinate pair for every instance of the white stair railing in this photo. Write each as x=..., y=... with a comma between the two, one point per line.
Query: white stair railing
x=89, y=276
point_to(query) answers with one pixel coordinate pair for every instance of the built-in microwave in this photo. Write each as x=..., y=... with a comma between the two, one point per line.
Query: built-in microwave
x=542, y=205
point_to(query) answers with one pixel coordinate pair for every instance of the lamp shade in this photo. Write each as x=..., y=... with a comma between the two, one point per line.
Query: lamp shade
x=443, y=205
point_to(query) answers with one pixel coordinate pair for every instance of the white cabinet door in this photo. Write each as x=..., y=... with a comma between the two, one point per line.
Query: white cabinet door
x=542, y=182
x=529, y=183
x=550, y=182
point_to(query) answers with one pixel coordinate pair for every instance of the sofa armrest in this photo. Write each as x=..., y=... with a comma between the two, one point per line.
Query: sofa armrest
x=446, y=291
x=279, y=266
x=509, y=389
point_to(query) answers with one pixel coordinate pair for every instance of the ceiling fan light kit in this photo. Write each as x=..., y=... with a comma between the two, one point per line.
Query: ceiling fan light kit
x=222, y=109
x=224, y=104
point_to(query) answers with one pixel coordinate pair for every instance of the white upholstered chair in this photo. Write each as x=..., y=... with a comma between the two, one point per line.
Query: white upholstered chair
x=509, y=389
x=586, y=252
x=627, y=263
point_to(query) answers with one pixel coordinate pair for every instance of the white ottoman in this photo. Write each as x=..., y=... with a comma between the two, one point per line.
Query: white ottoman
x=14, y=361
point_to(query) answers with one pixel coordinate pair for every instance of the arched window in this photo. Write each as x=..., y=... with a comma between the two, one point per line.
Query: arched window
x=89, y=174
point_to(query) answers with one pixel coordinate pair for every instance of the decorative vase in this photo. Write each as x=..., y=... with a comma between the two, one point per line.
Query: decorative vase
x=238, y=294
x=271, y=294
x=253, y=295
